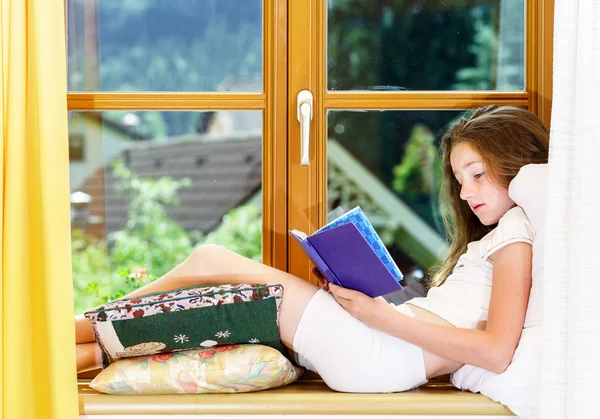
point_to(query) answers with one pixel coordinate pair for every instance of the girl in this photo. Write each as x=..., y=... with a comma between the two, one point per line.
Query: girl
x=474, y=311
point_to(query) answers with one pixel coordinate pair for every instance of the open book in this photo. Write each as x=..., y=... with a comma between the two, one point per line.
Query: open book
x=348, y=252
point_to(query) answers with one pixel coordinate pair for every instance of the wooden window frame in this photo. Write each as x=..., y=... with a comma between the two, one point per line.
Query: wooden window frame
x=272, y=104
x=277, y=105
x=308, y=209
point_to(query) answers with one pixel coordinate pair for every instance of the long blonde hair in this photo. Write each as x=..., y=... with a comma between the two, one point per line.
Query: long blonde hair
x=507, y=138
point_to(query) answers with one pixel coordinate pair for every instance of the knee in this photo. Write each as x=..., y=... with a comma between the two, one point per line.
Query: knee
x=208, y=251
x=206, y=255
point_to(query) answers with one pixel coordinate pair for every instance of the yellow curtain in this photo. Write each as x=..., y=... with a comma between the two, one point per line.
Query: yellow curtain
x=37, y=331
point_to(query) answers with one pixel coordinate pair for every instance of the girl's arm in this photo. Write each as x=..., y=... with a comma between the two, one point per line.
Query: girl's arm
x=492, y=348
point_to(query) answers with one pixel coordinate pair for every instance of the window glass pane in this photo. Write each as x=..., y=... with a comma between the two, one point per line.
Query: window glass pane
x=387, y=163
x=158, y=45
x=426, y=45
x=142, y=200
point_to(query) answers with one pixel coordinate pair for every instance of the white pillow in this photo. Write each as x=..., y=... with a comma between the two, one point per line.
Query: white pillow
x=528, y=190
x=518, y=387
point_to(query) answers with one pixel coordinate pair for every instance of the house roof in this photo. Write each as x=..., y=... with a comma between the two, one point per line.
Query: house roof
x=223, y=174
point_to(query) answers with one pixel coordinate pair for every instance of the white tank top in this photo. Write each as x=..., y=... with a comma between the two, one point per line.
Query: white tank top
x=464, y=299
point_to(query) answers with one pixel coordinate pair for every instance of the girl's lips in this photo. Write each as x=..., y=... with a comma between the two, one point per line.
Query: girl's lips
x=477, y=207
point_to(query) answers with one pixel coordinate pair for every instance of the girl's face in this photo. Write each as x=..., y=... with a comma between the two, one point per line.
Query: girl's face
x=488, y=200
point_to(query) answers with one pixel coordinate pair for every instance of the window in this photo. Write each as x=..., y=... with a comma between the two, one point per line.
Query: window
x=387, y=78
x=188, y=111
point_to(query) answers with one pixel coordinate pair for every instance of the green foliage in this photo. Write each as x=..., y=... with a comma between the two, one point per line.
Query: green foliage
x=484, y=48
x=151, y=241
x=419, y=172
x=241, y=232
x=91, y=268
x=151, y=238
x=418, y=176
x=499, y=61
x=397, y=44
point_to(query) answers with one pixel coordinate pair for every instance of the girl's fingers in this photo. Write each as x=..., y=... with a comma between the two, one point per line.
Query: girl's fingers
x=323, y=283
x=343, y=292
x=317, y=273
x=336, y=290
x=341, y=301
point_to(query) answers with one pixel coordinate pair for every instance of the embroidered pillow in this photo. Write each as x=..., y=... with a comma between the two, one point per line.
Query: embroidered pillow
x=223, y=369
x=188, y=318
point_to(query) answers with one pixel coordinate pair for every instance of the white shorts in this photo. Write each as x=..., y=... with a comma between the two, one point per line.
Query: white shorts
x=352, y=357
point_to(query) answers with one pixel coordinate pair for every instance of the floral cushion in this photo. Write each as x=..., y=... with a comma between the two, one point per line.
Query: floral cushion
x=188, y=318
x=223, y=369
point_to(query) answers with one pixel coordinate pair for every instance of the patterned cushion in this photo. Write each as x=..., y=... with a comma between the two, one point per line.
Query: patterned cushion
x=188, y=318
x=223, y=369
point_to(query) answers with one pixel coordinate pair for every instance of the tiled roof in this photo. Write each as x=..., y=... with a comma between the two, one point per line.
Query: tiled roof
x=223, y=173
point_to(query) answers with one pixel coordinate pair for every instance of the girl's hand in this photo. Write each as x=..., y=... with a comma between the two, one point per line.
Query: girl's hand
x=366, y=309
x=323, y=283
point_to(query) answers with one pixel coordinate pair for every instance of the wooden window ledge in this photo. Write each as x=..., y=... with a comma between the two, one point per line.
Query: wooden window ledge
x=304, y=397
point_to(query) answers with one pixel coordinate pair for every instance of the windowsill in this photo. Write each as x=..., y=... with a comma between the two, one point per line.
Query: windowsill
x=305, y=397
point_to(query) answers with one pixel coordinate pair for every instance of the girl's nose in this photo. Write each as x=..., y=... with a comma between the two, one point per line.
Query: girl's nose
x=466, y=191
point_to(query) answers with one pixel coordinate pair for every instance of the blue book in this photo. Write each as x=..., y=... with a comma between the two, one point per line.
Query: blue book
x=348, y=252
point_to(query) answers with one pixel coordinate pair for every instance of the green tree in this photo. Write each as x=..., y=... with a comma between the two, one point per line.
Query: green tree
x=240, y=232
x=419, y=172
x=418, y=176
x=151, y=240
x=151, y=243
x=395, y=45
x=91, y=270
x=484, y=48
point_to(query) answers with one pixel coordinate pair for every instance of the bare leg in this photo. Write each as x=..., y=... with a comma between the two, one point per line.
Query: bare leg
x=210, y=264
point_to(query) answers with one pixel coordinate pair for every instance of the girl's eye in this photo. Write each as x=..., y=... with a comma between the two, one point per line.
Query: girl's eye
x=478, y=175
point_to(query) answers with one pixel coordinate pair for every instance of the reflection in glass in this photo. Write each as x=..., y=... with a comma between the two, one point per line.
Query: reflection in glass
x=141, y=200
x=387, y=163
x=426, y=45
x=158, y=45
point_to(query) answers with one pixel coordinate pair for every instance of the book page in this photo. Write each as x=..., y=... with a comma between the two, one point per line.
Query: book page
x=299, y=234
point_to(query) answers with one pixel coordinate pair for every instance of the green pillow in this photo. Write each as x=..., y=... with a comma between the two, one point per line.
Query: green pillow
x=188, y=318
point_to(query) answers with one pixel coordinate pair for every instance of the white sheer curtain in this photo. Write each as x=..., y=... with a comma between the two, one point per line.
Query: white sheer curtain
x=571, y=356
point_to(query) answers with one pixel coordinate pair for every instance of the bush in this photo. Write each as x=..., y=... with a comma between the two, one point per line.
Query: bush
x=151, y=243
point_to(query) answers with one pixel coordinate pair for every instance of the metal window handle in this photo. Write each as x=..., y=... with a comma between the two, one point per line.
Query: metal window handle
x=305, y=105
